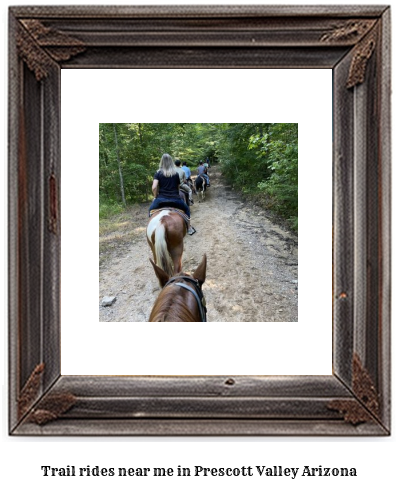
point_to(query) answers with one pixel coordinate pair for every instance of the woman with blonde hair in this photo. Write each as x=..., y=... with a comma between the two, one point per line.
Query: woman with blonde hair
x=165, y=188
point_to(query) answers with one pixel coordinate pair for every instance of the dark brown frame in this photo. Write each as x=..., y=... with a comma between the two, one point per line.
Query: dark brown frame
x=353, y=41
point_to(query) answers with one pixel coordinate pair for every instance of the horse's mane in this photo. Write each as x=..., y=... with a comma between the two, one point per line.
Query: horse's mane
x=171, y=307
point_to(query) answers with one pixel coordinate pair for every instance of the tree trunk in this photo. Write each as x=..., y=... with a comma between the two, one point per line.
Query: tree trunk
x=120, y=168
x=140, y=135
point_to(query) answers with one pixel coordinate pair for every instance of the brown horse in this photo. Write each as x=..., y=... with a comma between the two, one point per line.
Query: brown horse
x=165, y=233
x=181, y=298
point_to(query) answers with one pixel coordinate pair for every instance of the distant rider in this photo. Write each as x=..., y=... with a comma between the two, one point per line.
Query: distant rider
x=202, y=172
x=183, y=181
x=186, y=170
x=188, y=177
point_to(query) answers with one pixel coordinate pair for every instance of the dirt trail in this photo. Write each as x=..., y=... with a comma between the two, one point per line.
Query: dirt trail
x=252, y=267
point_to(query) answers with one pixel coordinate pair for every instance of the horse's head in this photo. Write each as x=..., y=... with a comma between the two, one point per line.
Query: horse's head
x=199, y=274
x=181, y=298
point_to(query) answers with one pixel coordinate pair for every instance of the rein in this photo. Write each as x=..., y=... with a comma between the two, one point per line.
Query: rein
x=196, y=291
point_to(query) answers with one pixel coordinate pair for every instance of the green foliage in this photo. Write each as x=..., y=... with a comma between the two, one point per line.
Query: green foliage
x=263, y=158
x=282, y=185
x=109, y=209
x=257, y=158
x=293, y=221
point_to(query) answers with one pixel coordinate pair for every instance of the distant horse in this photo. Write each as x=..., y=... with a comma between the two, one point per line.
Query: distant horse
x=181, y=298
x=200, y=186
x=184, y=196
x=191, y=185
x=165, y=233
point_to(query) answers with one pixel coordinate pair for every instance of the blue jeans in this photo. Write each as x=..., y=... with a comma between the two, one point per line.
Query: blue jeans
x=172, y=202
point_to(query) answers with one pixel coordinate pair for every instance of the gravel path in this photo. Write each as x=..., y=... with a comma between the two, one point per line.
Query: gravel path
x=252, y=271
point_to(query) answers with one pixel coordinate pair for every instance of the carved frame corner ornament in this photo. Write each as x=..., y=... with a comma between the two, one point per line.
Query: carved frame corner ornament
x=352, y=30
x=361, y=56
x=39, y=409
x=364, y=33
x=30, y=391
x=365, y=407
x=51, y=407
x=39, y=45
x=354, y=43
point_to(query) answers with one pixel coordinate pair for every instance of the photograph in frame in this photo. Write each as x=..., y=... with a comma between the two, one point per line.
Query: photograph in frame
x=249, y=259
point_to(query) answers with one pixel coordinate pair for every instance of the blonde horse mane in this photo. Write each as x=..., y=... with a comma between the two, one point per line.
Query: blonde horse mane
x=162, y=255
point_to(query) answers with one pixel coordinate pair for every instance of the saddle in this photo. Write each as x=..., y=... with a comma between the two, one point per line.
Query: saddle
x=175, y=210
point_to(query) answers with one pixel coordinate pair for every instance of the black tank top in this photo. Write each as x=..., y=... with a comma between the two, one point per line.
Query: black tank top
x=168, y=186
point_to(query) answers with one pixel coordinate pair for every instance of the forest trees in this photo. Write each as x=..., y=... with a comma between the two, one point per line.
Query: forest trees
x=129, y=154
x=262, y=159
x=256, y=158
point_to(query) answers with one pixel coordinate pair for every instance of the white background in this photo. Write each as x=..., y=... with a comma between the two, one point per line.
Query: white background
x=104, y=348
x=374, y=458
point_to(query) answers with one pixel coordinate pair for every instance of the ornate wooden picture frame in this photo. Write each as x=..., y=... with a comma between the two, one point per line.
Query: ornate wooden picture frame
x=352, y=41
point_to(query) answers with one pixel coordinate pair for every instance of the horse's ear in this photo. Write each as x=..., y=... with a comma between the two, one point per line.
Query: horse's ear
x=200, y=272
x=160, y=273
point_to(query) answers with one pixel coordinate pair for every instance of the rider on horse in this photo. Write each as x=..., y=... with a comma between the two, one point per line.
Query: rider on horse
x=186, y=170
x=183, y=181
x=202, y=172
x=188, y=176
x=165, y=189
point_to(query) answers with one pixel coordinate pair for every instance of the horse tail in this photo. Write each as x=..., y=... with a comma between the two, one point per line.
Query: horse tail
x=162, y=256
